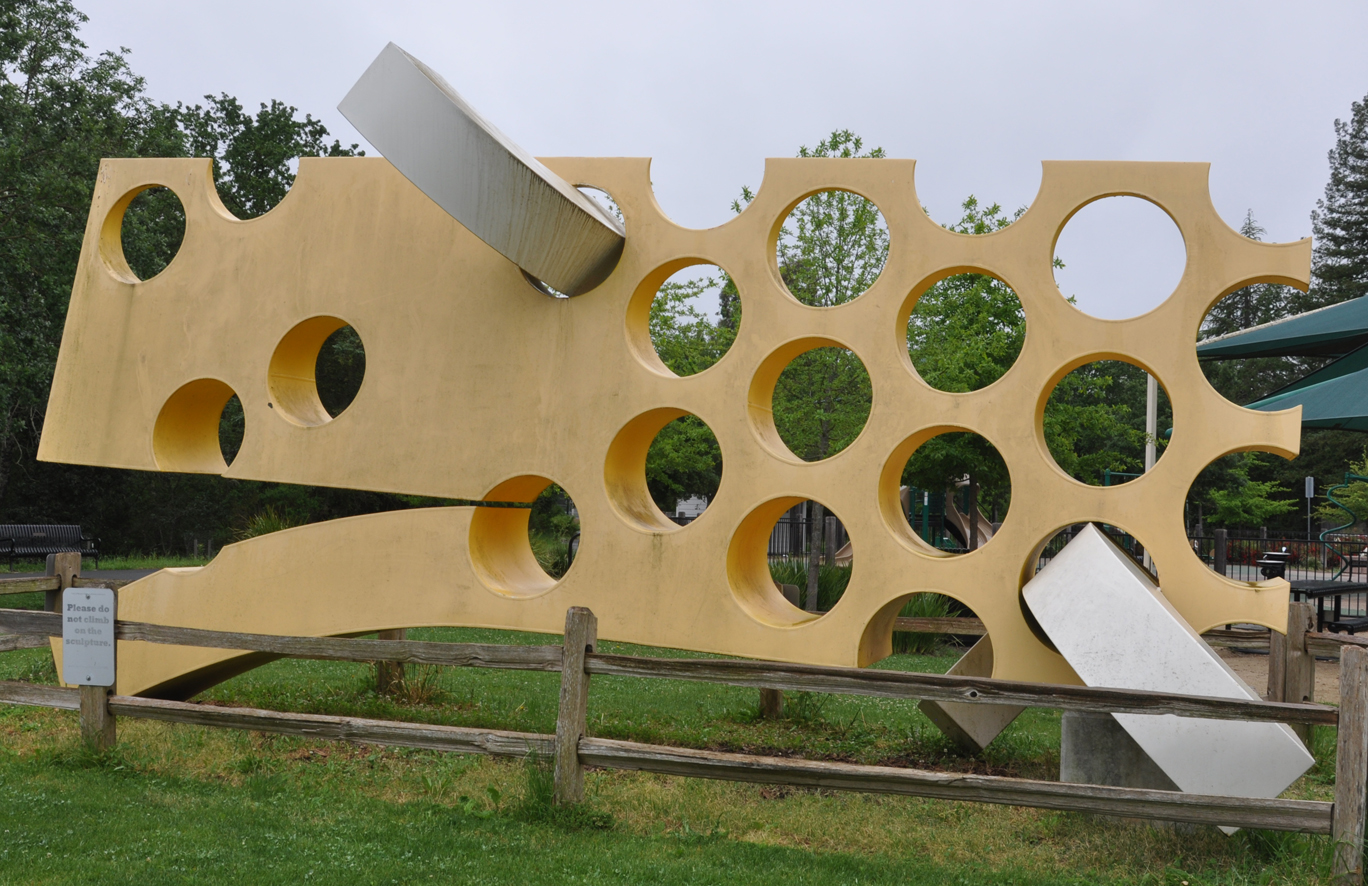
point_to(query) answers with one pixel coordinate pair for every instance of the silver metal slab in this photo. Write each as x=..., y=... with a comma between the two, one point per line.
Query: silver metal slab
x=971, y=726
x=88, y=636
x=1114, y=627
x=480, y=177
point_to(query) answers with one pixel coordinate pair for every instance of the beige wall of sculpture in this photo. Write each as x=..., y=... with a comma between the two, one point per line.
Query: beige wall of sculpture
x=480, y=386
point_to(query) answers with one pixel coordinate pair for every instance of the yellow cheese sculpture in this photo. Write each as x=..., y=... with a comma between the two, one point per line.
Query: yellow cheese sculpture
x=480, y=386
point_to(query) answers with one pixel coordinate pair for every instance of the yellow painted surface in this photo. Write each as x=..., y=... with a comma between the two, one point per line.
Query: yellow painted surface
x=477, y=385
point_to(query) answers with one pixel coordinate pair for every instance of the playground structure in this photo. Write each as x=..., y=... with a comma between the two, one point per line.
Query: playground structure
x=461, y=348
x=1348, y=559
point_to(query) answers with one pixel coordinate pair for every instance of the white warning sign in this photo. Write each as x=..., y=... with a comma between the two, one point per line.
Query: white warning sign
x=88, y=636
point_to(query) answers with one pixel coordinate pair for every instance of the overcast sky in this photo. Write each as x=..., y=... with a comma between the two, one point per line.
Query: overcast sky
x=978, y=93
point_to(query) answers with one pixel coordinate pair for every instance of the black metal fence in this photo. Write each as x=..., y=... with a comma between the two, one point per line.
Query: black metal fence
x=790, y=537
x=1338, y=558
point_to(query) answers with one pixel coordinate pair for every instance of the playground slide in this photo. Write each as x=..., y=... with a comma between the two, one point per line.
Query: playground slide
x=959, y=521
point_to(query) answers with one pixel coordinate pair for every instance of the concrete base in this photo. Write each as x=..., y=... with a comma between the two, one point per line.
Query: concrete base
x=1095, y=749
x=971, y=726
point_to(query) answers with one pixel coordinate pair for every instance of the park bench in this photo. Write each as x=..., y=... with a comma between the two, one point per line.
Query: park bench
x=29, y=540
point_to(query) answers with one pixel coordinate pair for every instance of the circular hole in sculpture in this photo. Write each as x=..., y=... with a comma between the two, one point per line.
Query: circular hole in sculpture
x=316, y=371
x=604, y=201
x=543, y=287
x=1120, y=257
x=820, y=401
x=1259, y=501
x=790, y=560
x=832, y=247
x=151, y=230
x=1095, y=421
x=965, y=332
x=553, y=531
x=339, y=370
x=199, y=429
x=955, y=491
x=232, y=428
x=663, y=469
x=524, y=551
x=694, y=317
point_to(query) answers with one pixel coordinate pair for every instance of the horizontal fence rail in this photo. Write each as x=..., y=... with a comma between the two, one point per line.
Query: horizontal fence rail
x=946, y=688
x=479, y=655
x=733, y=672
x=571, y=748
x=1305, y=816
x=964, y=627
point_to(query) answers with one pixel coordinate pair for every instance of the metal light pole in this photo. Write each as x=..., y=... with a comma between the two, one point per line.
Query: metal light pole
x=1151, y=432
x=1310, y=494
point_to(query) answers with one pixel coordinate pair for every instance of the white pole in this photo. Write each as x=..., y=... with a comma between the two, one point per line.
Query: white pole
x=1151, y=432
x=1151, y=420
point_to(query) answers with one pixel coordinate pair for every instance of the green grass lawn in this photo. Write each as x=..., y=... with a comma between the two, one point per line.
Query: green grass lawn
x=187, y=804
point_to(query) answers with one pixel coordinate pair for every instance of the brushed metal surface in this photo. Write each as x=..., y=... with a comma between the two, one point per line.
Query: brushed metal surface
x=502, y=194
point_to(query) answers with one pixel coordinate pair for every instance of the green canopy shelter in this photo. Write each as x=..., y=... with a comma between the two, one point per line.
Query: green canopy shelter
x=1334, y=396
x=1324, y=332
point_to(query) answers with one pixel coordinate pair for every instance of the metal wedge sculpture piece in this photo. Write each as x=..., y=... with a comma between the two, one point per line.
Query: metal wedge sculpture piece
x=480, y=386
x=1092, y=582
x=494, y=188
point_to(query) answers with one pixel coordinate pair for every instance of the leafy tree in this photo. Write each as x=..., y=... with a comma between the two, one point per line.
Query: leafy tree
x=1339, y=264
x=686, y=338
x=1095, y=420
x=964, y=334
x=1355, y=497
x=254, y=157
x=832, y=247
x=685, y=459
x=967, y=330
x=1248, y=502
x=61, y=111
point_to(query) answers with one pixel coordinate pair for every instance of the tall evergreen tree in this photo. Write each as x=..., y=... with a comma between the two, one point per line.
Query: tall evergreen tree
x=1244, y=381
x=1339, y=265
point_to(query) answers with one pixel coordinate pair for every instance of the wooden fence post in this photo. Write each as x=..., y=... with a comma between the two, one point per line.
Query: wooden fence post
x=389, y=674
x=1351, y=768
x=771, y=704
x=1218, y=555
x=581, y=634
x=1299, y=669
x=97, y=723
x=1277, y=664
x=67, y=568
x=1291, y=665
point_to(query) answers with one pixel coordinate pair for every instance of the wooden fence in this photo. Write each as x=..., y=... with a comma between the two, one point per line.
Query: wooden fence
x=572, y=750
